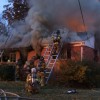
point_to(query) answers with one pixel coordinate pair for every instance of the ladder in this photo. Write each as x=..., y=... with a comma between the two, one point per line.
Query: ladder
x=50, y=62
x=48, y=53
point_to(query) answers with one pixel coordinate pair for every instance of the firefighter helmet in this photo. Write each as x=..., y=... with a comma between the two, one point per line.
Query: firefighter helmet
x=33, y=70
x=27, y=63
x=58, y=32
x=41, y=58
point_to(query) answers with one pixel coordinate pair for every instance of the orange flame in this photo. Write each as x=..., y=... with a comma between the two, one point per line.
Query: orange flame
x=75, y=25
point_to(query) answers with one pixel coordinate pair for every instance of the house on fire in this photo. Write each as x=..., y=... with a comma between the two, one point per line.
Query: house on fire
x=78, y=49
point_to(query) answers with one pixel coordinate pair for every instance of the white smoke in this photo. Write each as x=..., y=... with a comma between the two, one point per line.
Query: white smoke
x=45, y=15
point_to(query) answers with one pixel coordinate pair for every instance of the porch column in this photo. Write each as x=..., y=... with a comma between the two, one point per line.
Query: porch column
x=81, y=53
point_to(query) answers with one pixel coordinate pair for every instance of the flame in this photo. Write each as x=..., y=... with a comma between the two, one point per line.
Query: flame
x=77, y=26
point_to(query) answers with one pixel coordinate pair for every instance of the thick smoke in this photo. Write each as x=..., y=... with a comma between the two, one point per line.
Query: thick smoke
x=45, y=16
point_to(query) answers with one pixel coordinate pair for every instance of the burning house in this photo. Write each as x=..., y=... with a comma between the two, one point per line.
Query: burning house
x=28, y=37
x=77, y=47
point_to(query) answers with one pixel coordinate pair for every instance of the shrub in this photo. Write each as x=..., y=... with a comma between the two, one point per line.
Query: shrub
x=7, y=73
x=78, y=73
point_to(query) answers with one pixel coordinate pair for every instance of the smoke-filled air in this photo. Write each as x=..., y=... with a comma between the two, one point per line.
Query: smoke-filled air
x=44, y=16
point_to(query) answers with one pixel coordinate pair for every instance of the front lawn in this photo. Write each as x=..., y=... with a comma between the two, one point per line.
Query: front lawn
x=51, y=92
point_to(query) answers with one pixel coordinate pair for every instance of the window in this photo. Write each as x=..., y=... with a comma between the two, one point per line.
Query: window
x=66, y=52
x=12, y=57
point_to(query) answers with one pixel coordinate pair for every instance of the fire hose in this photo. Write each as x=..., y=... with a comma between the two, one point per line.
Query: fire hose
x=2, y=92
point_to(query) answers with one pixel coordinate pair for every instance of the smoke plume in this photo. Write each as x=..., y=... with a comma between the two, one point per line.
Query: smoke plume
x=45, y=16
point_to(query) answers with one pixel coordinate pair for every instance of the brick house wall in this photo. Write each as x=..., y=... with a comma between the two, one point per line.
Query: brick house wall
x=76, y=53
x=88, y=53
x=99, y=58
x=79, y=52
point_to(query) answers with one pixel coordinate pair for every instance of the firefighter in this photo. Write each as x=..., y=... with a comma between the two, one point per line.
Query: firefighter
x=35, y=83
x=56, y=37
x=42, y=58
x=17, y=72
x=28, y=85
x=32, y=82
x=41, y=71
x=27, y=67
x=42, y=78
x=33, y=72
x=32, y=65
x=18, y=69
x=41, y=62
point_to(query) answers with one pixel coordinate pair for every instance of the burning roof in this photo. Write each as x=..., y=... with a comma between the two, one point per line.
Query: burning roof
x=45, y=16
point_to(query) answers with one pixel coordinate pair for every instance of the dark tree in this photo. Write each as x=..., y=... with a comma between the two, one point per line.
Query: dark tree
x=16, y=10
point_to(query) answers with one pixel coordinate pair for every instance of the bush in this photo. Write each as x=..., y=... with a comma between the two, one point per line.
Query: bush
x=7, y=73
x=78, y=73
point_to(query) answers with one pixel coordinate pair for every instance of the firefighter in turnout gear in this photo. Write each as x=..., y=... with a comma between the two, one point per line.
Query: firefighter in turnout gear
x=56, y=37
x=35, y=76
x=33, y=72
x=18, y=69
x=41, y=71
x=28, y=85
x=27, y=67
x=32, y=85
x=29, y=64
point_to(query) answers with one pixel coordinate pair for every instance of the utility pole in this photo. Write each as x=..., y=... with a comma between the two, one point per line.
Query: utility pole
x=82, y=14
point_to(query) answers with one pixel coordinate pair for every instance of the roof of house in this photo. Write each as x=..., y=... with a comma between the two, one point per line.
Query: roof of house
x=85, y=35
x=79, y=36
x=26, y=42
x=14, y=42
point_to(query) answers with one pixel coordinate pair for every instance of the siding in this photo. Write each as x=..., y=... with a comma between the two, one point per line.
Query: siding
x=88, y=53
x=76, y=53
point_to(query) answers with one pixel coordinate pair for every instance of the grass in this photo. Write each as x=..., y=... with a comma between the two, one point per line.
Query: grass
x=51, y=93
